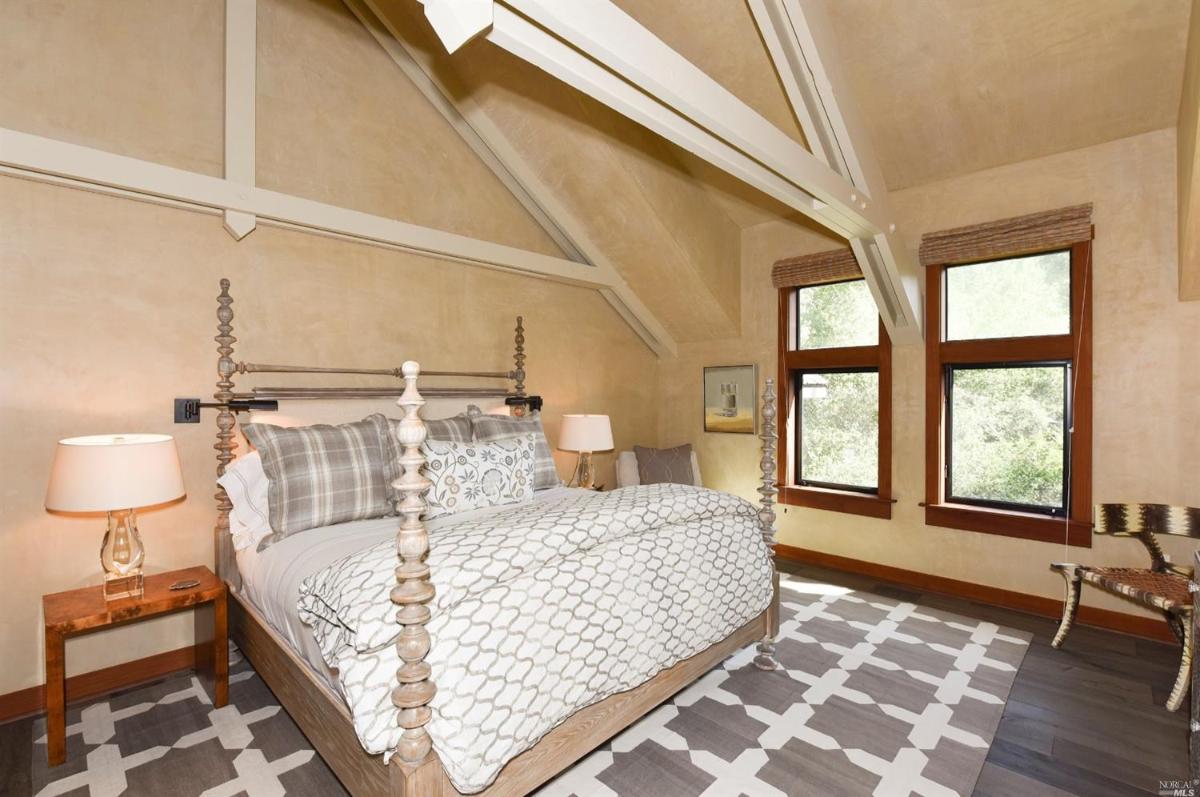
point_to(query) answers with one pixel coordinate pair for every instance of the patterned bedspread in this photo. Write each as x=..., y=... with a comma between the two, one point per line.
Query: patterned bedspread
x=540, y=611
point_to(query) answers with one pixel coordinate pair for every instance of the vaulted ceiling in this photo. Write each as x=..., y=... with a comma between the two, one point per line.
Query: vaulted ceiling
x=943, y=87
x=948, y=87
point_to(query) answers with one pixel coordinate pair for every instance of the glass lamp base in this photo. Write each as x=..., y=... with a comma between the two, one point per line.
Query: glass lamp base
x=117, y=586
x=122, y=555
x=585, y=471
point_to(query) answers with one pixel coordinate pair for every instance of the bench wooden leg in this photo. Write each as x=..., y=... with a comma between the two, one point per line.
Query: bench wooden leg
x=1183, y=679
x=1070, y=574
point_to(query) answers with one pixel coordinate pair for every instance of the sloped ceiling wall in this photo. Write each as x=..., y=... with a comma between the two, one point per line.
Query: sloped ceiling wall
x=669, y=235
x=949, y=87
x=320, y=123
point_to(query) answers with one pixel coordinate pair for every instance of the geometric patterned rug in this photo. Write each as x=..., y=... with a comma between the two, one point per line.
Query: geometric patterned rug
x=875, y=697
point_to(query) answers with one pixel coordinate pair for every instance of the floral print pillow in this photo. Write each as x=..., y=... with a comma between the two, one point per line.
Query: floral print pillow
x=469, y=476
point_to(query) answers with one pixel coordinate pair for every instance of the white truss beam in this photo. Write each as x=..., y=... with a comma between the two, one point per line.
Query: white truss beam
x=602, y=51
x=493, y=147
x=791, y=30
x=241, y=41
x=57, y=162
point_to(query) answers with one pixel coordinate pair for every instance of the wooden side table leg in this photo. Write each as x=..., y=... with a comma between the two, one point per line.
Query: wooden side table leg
x=56, y=699
x=212, y=649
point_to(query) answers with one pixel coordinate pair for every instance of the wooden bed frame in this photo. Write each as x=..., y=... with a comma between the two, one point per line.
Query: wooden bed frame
x=414, y=769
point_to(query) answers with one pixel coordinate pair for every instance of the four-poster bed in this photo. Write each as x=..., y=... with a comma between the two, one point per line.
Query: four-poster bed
x=322, y=712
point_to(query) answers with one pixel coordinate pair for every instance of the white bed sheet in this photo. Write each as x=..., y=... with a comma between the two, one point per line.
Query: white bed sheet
x=271, y=578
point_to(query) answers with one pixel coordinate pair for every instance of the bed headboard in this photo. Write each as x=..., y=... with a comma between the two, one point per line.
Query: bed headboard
x=493, y=390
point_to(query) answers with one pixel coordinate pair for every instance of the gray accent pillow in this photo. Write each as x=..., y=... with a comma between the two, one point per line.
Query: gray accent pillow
x=320, y=475
x=665, y=465
x=489, y=428
x=465, y=476
x=456, y=429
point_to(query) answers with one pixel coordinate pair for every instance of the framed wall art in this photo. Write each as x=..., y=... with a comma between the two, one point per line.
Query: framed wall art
x=730, y=399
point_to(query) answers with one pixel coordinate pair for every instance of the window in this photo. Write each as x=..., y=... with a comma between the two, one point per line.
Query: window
x=1008, y=370
x=836, y=358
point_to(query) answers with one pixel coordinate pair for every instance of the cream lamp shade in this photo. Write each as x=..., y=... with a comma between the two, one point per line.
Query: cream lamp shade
x=585, y=433
x=103, y=473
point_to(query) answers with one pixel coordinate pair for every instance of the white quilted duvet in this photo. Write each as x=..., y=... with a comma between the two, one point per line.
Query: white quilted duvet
x=541, y=610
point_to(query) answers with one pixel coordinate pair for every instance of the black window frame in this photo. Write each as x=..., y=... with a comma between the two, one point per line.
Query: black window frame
x=798, y=423
x=1010, y=506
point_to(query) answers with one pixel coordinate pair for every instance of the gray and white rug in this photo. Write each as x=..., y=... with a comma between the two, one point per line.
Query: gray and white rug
x=874, y=697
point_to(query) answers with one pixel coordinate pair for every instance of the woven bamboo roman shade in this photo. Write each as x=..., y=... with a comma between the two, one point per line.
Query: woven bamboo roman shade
x=1050, y=229
x=817, y=269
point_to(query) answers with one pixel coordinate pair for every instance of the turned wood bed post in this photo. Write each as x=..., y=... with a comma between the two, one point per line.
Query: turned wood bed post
x=519, y=357
x=765, y=660
x=225, y=564
x=413, y=590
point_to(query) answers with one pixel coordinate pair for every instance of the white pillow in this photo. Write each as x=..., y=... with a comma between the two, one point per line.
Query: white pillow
x=246, y=484
x=467, y=476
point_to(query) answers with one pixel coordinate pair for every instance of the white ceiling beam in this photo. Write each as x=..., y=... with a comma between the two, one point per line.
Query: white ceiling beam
x=791, y=30
x=493, y=147
x=619, y=43
x=59, y=163
x=458, y=21
x=241, y=41
x=602, y=51
x=582, y=69
x=551, y=54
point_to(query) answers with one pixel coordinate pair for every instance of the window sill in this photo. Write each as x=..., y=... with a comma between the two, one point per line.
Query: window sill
x=837, y=501
x=1006, y=523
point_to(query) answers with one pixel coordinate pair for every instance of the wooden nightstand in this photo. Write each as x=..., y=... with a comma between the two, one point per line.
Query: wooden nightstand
x=79, y=611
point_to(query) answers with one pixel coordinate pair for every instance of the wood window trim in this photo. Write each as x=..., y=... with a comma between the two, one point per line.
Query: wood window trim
x=1077, y=347
x=876, y=505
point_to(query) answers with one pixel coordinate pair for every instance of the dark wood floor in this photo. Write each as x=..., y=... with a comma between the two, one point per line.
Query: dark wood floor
x=1086, y=720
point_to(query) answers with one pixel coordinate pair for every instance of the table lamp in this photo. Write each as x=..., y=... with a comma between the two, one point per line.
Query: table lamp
x=117, y=474
x=585, y=434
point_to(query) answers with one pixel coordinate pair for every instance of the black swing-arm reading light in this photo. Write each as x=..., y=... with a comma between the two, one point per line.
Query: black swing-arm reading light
x=187, y=410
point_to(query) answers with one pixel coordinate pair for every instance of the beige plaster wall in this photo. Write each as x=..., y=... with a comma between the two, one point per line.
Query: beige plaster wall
x=1147, y=386
x=58, y=76
x=340, y=123
x=948, y=87
x=1188, y=158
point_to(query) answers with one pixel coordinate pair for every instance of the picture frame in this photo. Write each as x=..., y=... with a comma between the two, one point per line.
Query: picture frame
x=729, y=399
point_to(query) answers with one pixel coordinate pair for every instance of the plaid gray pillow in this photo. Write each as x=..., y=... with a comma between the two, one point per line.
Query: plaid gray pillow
x=320, y=475
x=489, y=428
x=456, y=429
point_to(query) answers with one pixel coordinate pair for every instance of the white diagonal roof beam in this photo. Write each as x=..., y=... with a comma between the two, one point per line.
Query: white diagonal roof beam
x=791, y=32
x=241, y=43
x=492, y=146
x=420, y=72
x=597, y=48
x=58, y=162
